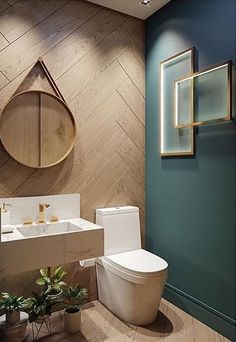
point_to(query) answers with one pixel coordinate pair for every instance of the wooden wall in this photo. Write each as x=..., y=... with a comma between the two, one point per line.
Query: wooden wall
x=96, y=57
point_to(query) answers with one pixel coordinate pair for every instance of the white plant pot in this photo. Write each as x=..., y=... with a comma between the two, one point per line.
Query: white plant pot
x=72, y=321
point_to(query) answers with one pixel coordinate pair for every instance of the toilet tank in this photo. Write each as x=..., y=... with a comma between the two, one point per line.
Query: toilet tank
x=121, y=228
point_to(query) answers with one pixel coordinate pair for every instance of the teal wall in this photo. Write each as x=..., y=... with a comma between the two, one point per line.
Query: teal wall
x=190, y=202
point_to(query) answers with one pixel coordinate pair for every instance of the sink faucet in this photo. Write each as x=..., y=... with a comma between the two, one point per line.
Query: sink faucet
x=42, y=207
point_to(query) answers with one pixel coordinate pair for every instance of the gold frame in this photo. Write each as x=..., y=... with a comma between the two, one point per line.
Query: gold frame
x=173, y=154
x=229, y=96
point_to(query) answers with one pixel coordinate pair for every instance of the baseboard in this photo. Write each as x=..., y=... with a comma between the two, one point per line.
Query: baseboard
x=204, y=313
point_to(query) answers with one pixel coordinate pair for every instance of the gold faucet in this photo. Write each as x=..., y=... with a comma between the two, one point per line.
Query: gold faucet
x=42, y=207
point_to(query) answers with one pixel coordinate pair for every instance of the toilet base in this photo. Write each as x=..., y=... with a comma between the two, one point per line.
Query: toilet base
x=134, y=302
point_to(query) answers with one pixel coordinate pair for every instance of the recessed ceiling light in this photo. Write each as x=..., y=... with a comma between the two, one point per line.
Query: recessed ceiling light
x=145, y=2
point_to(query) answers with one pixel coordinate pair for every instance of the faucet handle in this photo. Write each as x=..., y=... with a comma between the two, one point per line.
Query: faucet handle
x=28, y=222
x=4, y=207
x=53, y=219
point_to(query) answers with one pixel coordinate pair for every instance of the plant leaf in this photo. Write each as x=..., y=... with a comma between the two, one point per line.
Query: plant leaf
x=44, y=272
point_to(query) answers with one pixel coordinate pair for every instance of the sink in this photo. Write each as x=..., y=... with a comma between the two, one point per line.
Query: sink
x=27, y=248
x=48, y=229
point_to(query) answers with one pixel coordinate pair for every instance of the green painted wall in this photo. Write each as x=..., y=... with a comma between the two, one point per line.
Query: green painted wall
x=190, y=202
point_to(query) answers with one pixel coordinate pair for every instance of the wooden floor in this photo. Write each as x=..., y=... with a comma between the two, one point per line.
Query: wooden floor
x=99, y=324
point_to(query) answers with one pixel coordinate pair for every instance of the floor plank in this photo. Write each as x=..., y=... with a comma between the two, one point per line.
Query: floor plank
x=3, y=80
x=3, y=42
x=99, y=324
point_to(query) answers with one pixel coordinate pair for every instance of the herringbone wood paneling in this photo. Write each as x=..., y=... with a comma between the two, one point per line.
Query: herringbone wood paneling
x=97, y=59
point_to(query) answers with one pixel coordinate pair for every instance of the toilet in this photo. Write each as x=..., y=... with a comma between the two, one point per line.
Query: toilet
x=130, y=279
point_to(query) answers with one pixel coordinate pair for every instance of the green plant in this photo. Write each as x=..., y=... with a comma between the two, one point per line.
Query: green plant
x=75, y=297
x=11, y=303
x=52, y=283
x=39, y=305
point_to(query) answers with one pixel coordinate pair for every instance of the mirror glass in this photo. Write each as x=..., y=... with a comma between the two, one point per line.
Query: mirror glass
x=37, y=129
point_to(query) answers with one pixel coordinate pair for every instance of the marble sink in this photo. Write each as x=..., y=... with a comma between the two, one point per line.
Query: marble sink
x=48, y=229
x=40, y=245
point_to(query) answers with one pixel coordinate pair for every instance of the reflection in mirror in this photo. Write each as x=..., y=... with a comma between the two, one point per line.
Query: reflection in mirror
x=206, y=94
x=37, y=129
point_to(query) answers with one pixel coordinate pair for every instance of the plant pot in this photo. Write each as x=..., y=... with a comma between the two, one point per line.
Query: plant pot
x=13, y=332
x=13, y=317
x=72, y=320
x=54, y=295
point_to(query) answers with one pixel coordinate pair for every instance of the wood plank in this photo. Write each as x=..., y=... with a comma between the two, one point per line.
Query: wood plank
x=89, y=166
x=10, y=88
x=114, y=109
x=134, y=69
x=90, y=66
x=96, y=188
x=3, y=42
x=3, y=5
x=57, y=131
x=203, y=333
x=108, y=327
x=97, y=124
x=12, y=175
x=12, y=2
x=3, y=81
x=133, y=98
x=19, y=128
x=31, y=79
x=19, y=283
x=44, y=37
x=132, y=126
x=133, y=159
x=48, y=178
x=133, y=35
x=81, y=41
x=35, y=80
x=131, y=184
x=24, y=15
x=118, y=328
x=100, y=318
x=3, y=155
x=97, y=93
x=115, y=197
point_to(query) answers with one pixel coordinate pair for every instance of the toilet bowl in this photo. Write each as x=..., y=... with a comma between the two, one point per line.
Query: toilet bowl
x=130, y=280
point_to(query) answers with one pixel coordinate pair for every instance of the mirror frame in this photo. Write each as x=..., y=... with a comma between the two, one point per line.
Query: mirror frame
x=69, y=113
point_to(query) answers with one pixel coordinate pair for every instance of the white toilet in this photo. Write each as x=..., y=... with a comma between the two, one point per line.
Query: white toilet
x=130, y=280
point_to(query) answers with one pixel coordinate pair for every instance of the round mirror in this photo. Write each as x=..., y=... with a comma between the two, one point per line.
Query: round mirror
x=37, y=129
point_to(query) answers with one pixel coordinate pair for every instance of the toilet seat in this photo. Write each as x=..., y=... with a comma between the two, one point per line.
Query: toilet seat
x=137, y=266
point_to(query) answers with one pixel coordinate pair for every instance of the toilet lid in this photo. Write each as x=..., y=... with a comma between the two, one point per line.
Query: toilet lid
x=139, y=261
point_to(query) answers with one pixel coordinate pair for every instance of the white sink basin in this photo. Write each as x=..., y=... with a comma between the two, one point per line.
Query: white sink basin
x=48, y=229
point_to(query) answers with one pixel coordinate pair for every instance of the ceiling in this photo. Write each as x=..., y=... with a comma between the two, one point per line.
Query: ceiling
x=132, y=7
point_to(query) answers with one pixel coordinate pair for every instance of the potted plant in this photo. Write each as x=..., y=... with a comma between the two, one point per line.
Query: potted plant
x=12, y=305
x=39, y=306
x=53, y=284
x=75, y=297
